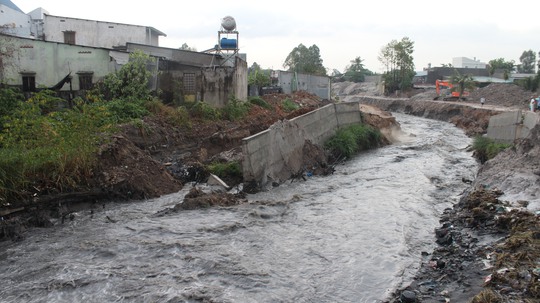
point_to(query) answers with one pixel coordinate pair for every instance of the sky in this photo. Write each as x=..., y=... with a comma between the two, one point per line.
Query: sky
x=342, y=30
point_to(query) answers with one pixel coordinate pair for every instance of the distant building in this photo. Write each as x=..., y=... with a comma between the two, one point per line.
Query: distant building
x=97, y=33
x=39, y=24
x=463, y=62
x=13, y=20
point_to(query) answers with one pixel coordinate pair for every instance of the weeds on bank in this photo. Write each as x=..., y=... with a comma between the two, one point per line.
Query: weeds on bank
x=43, y=147
x=235, y=109
x=226, y=170
x=260, y=102
x=486, y=148
x=288, y=105
x=350, y=140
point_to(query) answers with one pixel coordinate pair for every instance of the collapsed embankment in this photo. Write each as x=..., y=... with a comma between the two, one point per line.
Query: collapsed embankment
x=471, y=119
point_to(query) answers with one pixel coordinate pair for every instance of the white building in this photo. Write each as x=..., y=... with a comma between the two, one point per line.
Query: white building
x=41, y=25
x=13, y=21
x=97, y=33
x=464, y=62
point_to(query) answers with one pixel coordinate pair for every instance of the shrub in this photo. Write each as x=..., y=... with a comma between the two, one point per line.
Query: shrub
x=235, y=109
x=288, y=105
x=486, y=148
x=204, y=111
x=9, y=100
x=350, y=140
x=226, y=170
x=125, y=110
x=131, y=81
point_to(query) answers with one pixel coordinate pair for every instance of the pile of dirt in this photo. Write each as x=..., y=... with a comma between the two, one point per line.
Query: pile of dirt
x=348, y=88
x=502, y=94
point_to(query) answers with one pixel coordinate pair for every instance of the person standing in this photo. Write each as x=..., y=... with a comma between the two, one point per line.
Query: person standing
x=533, y=104
x=482, y=101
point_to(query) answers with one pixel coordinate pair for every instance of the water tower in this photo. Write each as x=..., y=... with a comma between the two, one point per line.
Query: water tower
x=228, y=38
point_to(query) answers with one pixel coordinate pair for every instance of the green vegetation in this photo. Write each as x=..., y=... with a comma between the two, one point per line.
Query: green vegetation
x=305, y=60
x=45, y=146
x=235, y=109
x=500, y=64
x=398, y=60
x=486, y=148
x=257, y=76
x=260, y=102
x=288, y=105
x=462, y=82
x=204, y=111
x=528, y=60
x=356, y=72
x=350, y=140
x=226, y=170
x=42, y=149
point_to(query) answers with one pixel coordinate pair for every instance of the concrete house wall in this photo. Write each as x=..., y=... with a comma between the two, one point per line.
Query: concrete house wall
x=317, y=85
x=50, y=62
x=214, y=82
x=13, y=21
x=98, y=33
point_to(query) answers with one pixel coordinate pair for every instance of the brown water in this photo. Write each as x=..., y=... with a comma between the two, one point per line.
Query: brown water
x=351, y=237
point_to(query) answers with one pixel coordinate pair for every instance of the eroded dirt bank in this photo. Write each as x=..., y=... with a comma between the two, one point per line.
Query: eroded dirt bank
x=488, y=243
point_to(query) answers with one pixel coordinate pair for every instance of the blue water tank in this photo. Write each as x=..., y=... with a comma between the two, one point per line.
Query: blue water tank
x=227, y=43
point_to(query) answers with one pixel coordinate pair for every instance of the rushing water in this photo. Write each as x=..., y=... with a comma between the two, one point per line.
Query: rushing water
x=350, y=237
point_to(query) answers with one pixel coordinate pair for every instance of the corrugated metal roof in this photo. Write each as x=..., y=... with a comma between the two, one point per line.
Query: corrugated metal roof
x=11, y=5
x=490, y=79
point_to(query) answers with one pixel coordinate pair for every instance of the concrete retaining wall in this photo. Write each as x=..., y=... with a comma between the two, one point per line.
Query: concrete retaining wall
x=509, y=126
x=276, y=153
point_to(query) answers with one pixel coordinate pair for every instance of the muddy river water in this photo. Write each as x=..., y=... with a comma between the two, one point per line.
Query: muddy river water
x=353, y=236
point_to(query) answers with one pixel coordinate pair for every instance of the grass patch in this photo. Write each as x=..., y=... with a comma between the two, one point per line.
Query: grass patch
x=486, y=148
x=259, y=102
x=226, y=170
x=350, y=140
x=288, y=105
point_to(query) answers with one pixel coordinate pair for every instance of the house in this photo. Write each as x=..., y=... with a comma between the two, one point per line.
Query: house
x=31, y=64
x=13, y=20
x=187, y=76
x=39, y=24
x=42, y=50
x=97, y=33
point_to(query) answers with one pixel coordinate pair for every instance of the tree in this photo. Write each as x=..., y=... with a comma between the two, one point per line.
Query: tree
x=527, y=59
x=305, y=60
x=185, y=46
x=398, y=60
x=257, y=76
x=356, y=72
x=131, y=81
x=462, y=82
x=500, y=64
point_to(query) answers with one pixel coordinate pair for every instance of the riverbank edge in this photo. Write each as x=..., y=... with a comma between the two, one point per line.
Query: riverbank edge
x=461, y=268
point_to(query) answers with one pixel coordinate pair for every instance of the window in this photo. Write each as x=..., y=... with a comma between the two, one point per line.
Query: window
x=69, y=37
x=85, y=80
x=189, y=83
x=29, y=82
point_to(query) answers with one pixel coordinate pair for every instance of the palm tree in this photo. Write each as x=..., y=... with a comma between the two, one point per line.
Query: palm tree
x=462, y=82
